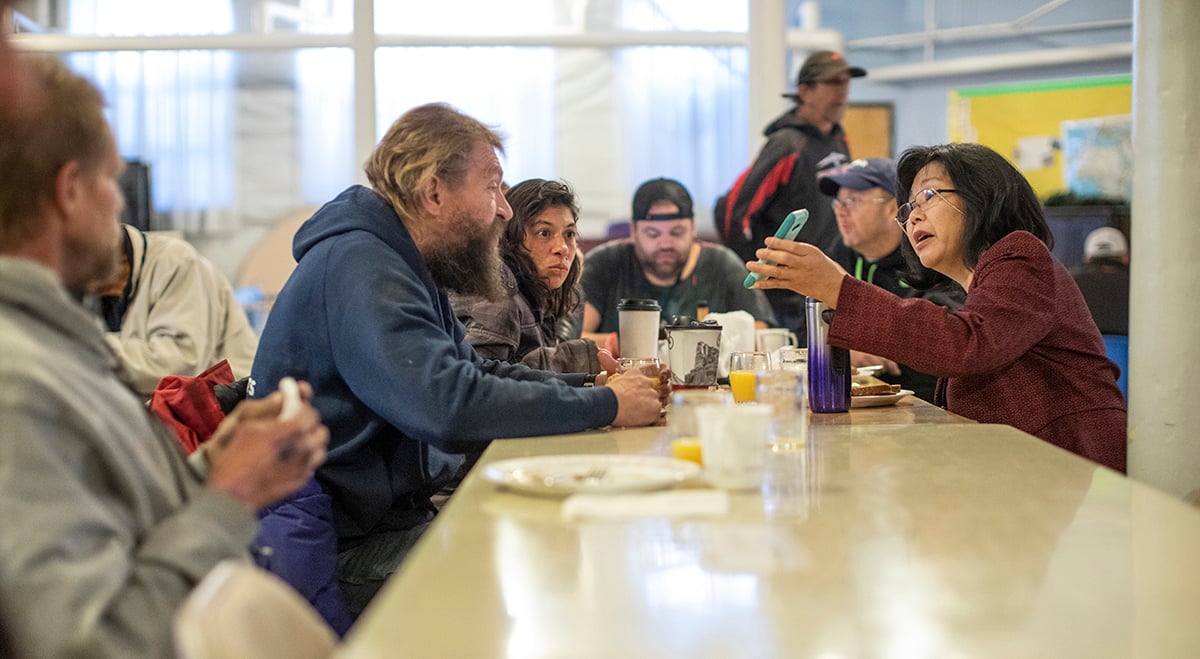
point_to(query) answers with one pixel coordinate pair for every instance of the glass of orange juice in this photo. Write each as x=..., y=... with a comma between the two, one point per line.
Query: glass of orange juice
x=742, y=367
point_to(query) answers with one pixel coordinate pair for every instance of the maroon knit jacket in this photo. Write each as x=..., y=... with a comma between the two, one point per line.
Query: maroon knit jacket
x=1022, y=350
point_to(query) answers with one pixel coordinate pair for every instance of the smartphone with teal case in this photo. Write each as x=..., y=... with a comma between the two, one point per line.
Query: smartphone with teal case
x=788, y=230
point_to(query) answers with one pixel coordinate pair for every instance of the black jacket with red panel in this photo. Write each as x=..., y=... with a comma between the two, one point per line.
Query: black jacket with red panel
x=782, y=179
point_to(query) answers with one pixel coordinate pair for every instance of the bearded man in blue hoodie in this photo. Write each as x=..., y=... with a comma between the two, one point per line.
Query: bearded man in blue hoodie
x=365, y=318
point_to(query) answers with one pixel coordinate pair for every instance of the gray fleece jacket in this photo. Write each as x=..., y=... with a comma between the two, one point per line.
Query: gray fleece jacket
x=105, y=528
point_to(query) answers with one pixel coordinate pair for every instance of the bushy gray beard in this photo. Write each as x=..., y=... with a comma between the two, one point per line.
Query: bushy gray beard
x=471, y=268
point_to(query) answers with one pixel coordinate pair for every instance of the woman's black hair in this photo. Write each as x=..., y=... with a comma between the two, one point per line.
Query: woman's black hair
x=528, y=200
x=997, y=200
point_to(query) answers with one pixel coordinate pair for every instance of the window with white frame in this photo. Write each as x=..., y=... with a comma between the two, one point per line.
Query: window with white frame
x=239, y=137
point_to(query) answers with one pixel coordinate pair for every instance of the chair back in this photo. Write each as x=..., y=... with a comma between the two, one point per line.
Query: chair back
x=1116, y=347
x=239, y=611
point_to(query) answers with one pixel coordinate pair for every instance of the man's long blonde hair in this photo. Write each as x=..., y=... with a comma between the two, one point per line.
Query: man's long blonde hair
x=427, y=141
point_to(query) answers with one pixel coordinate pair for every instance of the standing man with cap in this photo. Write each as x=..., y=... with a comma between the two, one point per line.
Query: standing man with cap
x=802, y=142
x=864, y=205
x=662, y=260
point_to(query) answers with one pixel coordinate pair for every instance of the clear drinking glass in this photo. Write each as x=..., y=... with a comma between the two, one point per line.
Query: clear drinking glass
x=791, y=359
x=682, y=427
x=784, y=391
x=647, y=366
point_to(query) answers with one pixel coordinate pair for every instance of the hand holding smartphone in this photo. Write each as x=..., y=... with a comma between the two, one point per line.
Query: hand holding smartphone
x=788, y=230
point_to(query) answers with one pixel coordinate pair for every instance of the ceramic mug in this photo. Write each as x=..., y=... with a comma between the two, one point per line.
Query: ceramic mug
x=694, y=355
x=772, y=339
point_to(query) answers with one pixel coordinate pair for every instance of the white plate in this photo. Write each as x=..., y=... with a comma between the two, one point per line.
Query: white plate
x=560, y=475
x=879, y=401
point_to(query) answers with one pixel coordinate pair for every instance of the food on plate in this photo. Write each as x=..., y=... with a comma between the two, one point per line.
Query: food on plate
x=881, y=389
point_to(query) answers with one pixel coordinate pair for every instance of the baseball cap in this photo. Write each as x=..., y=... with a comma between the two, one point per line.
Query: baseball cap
x=1105, y=242
x=661, y=189
x=861, y=174
x=823, y=65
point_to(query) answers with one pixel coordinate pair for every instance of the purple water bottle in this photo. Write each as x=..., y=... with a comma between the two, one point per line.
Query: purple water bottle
x=828, y=367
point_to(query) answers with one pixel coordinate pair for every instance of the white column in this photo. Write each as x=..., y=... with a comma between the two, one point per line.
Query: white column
x=767, y=58
x=1164, y=328
x=364, y=85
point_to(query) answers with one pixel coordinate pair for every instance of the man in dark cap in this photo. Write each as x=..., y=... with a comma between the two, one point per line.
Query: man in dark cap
x=864, y=204
x=802, y=142
x=662, y=260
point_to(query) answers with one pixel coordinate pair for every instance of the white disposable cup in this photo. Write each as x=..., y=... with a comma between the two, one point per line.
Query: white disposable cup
x=733, y=441
x=639, y=328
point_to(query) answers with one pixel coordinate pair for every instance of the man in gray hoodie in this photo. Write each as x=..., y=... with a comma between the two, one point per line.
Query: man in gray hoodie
x=106, y=527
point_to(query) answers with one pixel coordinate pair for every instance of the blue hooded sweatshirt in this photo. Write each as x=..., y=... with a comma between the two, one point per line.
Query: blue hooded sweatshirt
x=395, y=380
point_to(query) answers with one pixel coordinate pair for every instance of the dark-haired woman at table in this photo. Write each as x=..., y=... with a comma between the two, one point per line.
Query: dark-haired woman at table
x=1022, y=350
x=539, y=272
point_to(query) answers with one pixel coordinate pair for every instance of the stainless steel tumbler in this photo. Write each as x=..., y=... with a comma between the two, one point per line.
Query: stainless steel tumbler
x=828, y=367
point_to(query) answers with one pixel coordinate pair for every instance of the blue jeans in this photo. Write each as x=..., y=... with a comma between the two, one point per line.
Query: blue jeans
x=364, y=568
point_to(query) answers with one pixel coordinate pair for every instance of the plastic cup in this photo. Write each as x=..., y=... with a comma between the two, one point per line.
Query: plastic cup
x=733, y=440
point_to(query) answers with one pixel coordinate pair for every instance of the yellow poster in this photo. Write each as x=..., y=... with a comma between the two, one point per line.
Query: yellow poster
x=1025, y=122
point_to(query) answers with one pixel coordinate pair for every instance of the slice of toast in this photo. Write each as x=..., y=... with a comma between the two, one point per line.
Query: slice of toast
x=881, y=389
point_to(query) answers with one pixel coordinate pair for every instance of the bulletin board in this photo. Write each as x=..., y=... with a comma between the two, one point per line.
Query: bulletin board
x=869, y=129
x=1025, y=122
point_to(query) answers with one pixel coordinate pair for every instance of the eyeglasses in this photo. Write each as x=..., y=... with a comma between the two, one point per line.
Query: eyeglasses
x=850, y=202
x=923, y=198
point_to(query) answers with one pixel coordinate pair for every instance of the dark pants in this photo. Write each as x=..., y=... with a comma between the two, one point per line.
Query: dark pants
x=363, y=569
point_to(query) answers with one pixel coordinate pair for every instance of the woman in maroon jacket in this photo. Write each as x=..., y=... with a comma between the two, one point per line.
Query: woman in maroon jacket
x=1022, y=350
